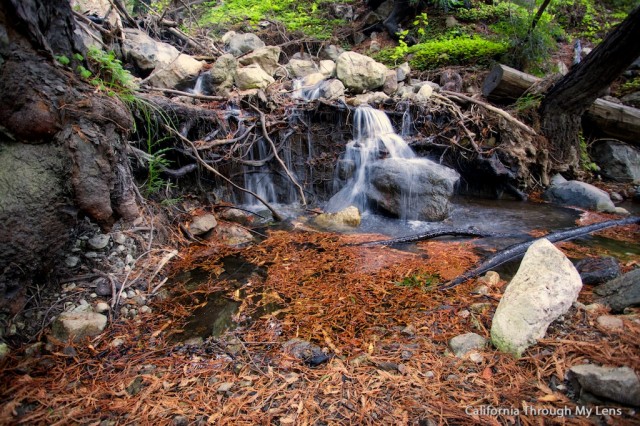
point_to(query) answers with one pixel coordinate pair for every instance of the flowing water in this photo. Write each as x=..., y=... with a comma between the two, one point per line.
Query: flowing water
x=374, y=138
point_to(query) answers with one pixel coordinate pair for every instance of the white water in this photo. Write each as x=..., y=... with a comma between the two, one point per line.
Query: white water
x=374, y=138
x=258, y=178
x=306, y=93
x=198, y=87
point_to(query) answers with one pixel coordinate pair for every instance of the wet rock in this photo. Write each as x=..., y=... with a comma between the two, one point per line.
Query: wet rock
x=543, y=289
x=98, y=242
x=465, y=343
x=599, y=270
x=349, y=217
x=252, y=77
x=238, y=43
x=610, y=322
x=616, y=384
x=430, y=184
x=372, y=98
x=620, y=292
x=265, y=57
x=579, y=194
x=360, y=73
x=618, y=161
x=202, y=224
x=332, y=89
x=77, y=325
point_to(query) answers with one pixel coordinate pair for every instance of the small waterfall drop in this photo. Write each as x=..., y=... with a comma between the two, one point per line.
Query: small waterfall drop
x=258, y=178
x=306, y=92
x=374, y=138
x=198, y=88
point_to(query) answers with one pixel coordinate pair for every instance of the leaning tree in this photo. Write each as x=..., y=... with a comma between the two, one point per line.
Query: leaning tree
x=62, y=151
x=566, y=101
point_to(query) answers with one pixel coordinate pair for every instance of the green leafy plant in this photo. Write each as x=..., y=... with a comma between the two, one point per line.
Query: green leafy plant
x=459, y=50
x=585, y=159
x=63, y=60
x=110, y=76
x=422, y=281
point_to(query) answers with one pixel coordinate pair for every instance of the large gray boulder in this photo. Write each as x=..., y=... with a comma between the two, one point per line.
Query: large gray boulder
x=412, y=188
x=543, y=289
x=617, y=384
x=238, y=43
x=620, y=292
x=579, y=194
x=617, y=160
x=299, y=68
x=167, y=65
x=265, y=57
x=252, y=77
x=360, y=73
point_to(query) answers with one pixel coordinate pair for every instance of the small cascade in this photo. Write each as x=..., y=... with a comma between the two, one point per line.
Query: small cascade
x=407, y=124
x=306, y=92
x=374, y=138
x=258, y=178
x=198, y=88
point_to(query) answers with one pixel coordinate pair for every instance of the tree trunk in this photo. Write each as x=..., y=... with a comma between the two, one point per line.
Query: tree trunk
x=61, y=145
x=568, y=99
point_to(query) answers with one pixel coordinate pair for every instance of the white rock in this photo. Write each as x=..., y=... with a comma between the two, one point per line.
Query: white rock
x=72, y=261
x=424, y=93
x=349, y=217
x=327, y=68
x=102, y=307
x=252, y=77
x=98, y=242
x=265, y=57
x=202, y=224
x=543, y=289
x=466, y=343
x=360, y=73
x=77, y=325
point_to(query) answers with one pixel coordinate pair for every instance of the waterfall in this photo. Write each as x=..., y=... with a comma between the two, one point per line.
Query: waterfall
x=374, y=138
x=306, y=92
x=198, y=88
x=258, y=178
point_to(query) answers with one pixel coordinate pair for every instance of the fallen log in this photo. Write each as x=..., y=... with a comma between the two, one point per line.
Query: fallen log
x=518, y=250
x=505, y=85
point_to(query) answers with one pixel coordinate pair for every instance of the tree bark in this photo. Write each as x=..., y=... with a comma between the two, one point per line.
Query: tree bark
x=505, y=84
x=61, y=145
x=568, y=99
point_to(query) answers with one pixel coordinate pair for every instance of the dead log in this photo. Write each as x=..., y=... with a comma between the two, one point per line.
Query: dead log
x=505, y=84
x=427, y=236
x=518, y=250
x=615, y=120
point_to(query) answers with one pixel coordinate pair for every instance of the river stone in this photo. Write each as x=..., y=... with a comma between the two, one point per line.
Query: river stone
x=617, y=384
x=98, y=242
x=543, y=289
x=349, y=217
x=403, y=72
x=332, y=89
x=617, y=160
x=371, y=98
x=332, y=52
x=328, y=68
x=360, y=73
x=299, y=68
x=202, y=224
x=620, y=292
x=223, y=69
x=167, y=65
x=429, y=184
x=77, y=325
x=238, y=43
x=265, y=57
x=579, y=194
x=424, y=93
x=610, y=322
x=599, y=270
x=252, y=77
x=390, y=85
x=632, y=99
x=463, y=344
x=232, y=234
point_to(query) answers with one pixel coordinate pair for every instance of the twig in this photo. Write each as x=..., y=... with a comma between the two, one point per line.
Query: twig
x=498, y=111
x=274, y=212
x=191, y=95
x=167, y=257
x=275, y=153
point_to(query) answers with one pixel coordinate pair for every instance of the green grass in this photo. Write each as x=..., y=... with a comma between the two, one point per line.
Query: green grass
x=313, y=19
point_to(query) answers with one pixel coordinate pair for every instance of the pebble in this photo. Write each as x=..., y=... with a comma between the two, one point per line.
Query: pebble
x=117, y=342
x=124, y=311
x=131, y=294
x=72, y=261
x=129, y=259
x=98, y=242
x=491, y=278
x=610, y=322
x=4, y=350
x=91, y=255
x=102, y=307
x=476, y=357
x=145, y=310
x=119, y=238
x=225, y=387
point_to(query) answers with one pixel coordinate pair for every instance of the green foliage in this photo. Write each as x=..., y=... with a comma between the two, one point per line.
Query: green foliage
x=528, y=102
x=630, y=86
x=529, y=50
x=585, y=160
x=422, y=281
x=589, y=19
x=311, y=19
x=63, y=60
x=487, y=13
x=110, y=76
x=459, y=50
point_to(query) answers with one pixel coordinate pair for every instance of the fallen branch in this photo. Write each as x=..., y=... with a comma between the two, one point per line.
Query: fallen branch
x=167, y=257
x=491, y=108
x=427, y=236
x=274, y=212
x=517, y=250
x=191, y=95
